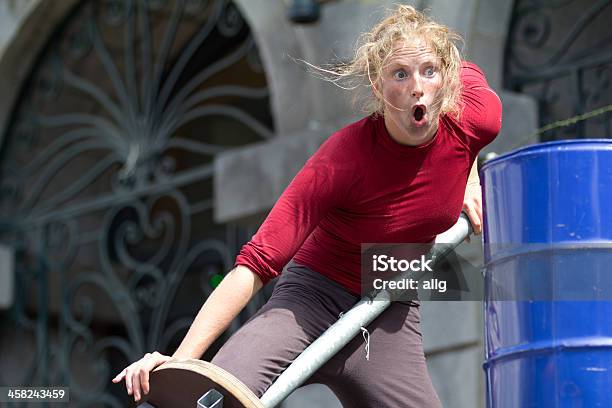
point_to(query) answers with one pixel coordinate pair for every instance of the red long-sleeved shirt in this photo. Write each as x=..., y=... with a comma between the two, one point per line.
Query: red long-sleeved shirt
x=363, y=186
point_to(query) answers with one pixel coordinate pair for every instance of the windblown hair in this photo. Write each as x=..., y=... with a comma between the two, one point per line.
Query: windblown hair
x=373, y=50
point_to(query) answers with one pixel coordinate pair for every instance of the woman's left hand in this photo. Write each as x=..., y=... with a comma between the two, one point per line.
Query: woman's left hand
x=472, y=205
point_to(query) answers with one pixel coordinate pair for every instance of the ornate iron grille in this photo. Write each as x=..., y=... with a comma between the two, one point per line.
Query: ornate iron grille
x=105, y=188
x=560, y=52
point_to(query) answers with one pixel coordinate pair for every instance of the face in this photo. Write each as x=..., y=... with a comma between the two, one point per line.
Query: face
x=409, y=85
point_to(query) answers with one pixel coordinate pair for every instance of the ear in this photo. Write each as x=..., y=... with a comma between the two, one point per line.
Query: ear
x=377, y=88
x=377, y=92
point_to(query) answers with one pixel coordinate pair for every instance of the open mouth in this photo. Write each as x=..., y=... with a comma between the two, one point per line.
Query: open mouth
x=418, y=114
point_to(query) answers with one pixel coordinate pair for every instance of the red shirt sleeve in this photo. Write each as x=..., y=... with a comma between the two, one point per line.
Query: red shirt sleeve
x=481, y=114
x=321, y=184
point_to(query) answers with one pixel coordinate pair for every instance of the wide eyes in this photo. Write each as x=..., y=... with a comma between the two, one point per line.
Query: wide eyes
x=401, y=74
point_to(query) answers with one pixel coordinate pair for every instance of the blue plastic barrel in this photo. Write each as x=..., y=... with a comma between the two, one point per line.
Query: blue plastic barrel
x=548, y=276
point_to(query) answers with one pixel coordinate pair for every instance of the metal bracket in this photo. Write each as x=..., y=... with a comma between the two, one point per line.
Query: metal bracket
x=212, y=399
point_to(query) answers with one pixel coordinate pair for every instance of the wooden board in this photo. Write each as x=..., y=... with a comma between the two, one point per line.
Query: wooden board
x=180, y=383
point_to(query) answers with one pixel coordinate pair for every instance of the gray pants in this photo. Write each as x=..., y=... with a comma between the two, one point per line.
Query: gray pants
x=303, y=305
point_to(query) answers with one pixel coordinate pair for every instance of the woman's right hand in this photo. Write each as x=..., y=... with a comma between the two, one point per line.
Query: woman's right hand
x=221, y=307
x=137, y=374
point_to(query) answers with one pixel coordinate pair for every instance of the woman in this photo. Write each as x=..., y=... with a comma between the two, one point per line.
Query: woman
x=398, y=175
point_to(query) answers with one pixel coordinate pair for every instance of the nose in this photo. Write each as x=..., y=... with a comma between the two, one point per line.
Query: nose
x=417, y=90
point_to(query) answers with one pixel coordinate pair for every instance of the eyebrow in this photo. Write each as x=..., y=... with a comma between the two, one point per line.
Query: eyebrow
x=431, y=62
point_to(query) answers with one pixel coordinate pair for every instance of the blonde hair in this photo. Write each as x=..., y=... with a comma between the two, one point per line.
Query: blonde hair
x=406, y=24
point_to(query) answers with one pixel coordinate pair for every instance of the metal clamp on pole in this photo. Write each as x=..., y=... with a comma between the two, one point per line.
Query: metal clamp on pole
x=212, y=399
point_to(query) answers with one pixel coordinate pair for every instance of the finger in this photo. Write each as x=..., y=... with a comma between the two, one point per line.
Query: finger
x=120, y=376
x=136, y=384
x=479, y=212
x=128, y=381
x=477, y=226
x=143, y=374
x=478, y=222
x=474, y=220
x=144, y=381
